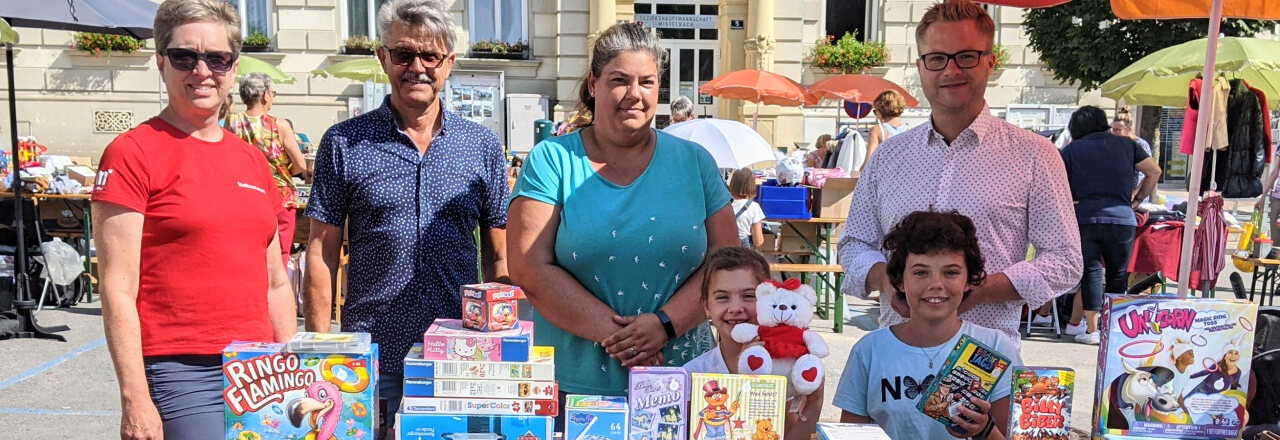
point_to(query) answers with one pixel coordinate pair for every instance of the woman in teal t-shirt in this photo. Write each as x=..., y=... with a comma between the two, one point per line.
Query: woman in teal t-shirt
x=608, y=227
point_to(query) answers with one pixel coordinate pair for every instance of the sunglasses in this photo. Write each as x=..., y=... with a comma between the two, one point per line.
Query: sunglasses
x=404, y=57
x=186, y=60
x=965, y=59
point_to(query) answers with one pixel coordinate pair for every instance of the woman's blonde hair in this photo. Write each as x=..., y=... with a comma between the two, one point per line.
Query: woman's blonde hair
x=822, y=141
x=174, y=13
x=889, y=104
x=1124, y=116
x=742, y=184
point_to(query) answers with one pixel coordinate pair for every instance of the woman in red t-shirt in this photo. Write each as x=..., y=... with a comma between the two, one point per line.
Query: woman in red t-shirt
x=185, y=214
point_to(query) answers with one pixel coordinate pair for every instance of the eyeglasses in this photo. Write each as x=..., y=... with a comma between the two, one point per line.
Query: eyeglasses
x=186, y=60
x=404, y=57
x=965, y=59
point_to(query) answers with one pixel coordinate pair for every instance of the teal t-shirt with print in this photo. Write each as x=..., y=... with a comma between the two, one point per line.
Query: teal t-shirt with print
x=631, y=246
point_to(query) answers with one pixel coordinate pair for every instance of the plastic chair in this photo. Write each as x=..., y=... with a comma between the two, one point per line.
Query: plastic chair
x=1031, y=313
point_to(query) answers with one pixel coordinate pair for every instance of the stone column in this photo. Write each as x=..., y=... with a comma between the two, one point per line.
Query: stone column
x=732, y=51
x=760, y=44
x=604, y=13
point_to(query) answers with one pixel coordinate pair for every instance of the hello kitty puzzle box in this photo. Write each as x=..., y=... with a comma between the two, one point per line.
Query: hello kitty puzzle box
x=272, y=391
x=448, y=339
x=1173, y=368
x=490, y=307
x=659, y=398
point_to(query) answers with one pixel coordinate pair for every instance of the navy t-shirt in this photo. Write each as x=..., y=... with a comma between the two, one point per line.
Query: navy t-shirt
x=1100, y=169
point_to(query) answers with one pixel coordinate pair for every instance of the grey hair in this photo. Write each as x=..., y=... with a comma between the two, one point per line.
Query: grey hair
x=619, y=38
x=174, y=13
x=682, y=107
x=430, y=15
x=252, y=88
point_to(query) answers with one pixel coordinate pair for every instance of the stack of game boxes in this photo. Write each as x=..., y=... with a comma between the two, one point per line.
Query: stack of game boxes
x=480, y=374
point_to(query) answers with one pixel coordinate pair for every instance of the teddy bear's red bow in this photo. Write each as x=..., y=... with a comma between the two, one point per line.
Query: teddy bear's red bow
x=789, y=284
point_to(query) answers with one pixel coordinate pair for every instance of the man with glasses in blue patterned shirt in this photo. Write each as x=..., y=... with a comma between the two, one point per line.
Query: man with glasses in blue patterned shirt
x=411, y=182
x=1009, y=181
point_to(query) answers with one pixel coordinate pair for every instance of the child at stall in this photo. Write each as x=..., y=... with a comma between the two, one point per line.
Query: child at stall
x=746, y=212
x=729, y=298
x=934, y=261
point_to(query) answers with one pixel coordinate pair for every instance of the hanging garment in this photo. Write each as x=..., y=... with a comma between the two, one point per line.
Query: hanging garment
x=1210, y=243
x=1217, y=125
x=1266, y=118
x=1237, y=171
x=853, y=152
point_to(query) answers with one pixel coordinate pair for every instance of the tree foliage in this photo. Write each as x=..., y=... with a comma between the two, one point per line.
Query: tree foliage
x=1082, y=42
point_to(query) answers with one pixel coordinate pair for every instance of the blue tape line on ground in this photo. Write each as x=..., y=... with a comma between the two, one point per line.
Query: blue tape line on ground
x=59, y=412
x=52, y=363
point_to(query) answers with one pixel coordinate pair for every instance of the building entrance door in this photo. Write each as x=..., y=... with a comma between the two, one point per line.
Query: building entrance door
x=689, y=66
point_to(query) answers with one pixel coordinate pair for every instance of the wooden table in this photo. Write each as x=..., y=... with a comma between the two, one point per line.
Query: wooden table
x=1270, y=278
x=830, y=300
x=86, y=225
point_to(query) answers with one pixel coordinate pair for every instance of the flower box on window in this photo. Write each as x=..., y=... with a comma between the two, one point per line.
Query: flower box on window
x=360, y=45
x=256, y=42
x=500, y=50
x=847, y=54
x=97, y=43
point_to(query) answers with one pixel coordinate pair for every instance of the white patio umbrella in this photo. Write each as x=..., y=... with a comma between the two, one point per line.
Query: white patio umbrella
x=732, y=143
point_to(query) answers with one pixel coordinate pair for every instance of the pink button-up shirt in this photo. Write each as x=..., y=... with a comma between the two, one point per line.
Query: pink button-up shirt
x=1009, y=181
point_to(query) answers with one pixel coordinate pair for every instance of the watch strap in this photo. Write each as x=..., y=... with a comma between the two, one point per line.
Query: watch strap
x=666, y=324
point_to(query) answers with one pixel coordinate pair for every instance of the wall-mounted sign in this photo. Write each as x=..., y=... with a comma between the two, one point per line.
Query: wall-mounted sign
x=737, y=24
x=677, y=21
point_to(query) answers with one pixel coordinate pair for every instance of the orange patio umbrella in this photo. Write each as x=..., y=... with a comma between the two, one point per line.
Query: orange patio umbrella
x=759, y=87
x=857, y=88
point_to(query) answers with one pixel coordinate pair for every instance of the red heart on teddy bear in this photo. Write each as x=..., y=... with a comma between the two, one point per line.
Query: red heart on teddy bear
x=810, y=374
x=754, y=362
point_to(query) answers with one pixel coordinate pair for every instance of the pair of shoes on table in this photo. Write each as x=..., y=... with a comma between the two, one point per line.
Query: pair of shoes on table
x=1075, y=329
x=1039, y=319
x=1094, y=338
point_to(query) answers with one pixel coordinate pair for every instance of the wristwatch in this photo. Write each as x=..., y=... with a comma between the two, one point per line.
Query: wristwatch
x=666, y=324
x=991, y=424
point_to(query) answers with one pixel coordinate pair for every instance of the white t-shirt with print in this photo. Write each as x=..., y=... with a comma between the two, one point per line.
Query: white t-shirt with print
x=884, y=378
x=710, y=362
x=751, y=216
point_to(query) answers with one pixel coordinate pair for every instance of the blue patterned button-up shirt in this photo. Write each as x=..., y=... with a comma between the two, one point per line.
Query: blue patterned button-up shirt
x=410, y=219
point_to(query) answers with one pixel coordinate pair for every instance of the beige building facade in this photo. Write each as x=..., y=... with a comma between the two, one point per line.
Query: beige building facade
x=76, y=103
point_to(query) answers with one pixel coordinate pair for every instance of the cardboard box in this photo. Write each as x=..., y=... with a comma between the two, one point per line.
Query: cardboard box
x=659, y=399
x=843, y=431
x=509, y=389
x=479, y=406
x=761, y=401
x=446, y=339
x=1173, y=368
x=82, y=174
x=541, y=366
x=789, y=239
x=265, y=387
x=443, y=426
x=490, y=307
x=597, y=418
x=834, y=198
x=60, y=215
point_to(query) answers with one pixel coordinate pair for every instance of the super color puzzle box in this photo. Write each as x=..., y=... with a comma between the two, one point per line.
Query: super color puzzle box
x=734, y=406
x=1173, y=368
x=270, y=393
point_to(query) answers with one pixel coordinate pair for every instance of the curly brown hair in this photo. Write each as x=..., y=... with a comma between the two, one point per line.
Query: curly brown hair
x=926, y=232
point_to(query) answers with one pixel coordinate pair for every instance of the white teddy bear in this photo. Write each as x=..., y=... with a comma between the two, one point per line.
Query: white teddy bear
x=784, y=311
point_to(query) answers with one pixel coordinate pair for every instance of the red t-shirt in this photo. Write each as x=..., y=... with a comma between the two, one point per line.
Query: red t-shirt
x=209, y=215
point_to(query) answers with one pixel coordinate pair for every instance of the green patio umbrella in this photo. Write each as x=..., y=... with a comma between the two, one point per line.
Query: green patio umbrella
x=364, y=69
x=1162, y=77
x=7, y=34
x=250, y=64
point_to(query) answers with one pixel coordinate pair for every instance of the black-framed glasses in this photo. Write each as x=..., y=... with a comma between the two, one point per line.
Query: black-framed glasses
x=186, y=60
x=404, y=57
x=965, y=59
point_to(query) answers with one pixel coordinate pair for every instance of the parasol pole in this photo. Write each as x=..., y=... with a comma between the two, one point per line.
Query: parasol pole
x=1197, y=154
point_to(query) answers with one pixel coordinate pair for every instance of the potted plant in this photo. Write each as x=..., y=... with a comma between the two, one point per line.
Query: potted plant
x=360, y=45
x=847, y=54
x=1001, y=54
x=256, y=42
x=500, y=50
x=97, y=43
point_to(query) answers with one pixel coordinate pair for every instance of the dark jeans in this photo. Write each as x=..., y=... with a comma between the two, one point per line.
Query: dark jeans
x=187, y=391
x=1104, y=245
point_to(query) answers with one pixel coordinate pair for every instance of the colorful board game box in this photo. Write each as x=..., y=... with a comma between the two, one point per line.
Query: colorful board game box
x=595, y=417
x=455, y=427
x=1173, y=368
x=541, y=366
x=659, y=399
x=498, y=407
x=1040, y=403
x=848, y=431
x=733, y=406
x=270, y=393
x=490, y=307
x=446, y=339
x=971, y=370
x=509, y=389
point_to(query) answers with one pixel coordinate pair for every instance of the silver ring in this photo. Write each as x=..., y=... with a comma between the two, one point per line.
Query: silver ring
x=633, y=352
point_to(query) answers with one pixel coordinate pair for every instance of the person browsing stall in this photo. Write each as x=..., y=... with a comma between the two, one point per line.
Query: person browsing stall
x=411, y=182
x=934, y=263
x=184, y=214
x=888, y=106
x=747, y=214
x=1011, y=182
x=610, y=224
x=728, y=296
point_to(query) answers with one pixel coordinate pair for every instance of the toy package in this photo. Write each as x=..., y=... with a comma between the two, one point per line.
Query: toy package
x=1040, y=403
x=490, y=307
x=455, y=427
x=541, y=366
x=846, y=431
x=733, y=406
x=971, y=370
x=512, y=389
x=272, y=393
x=595, y=418
x=659, y=399
x=1173, y=368
x=494, y=406
x=447, y=339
